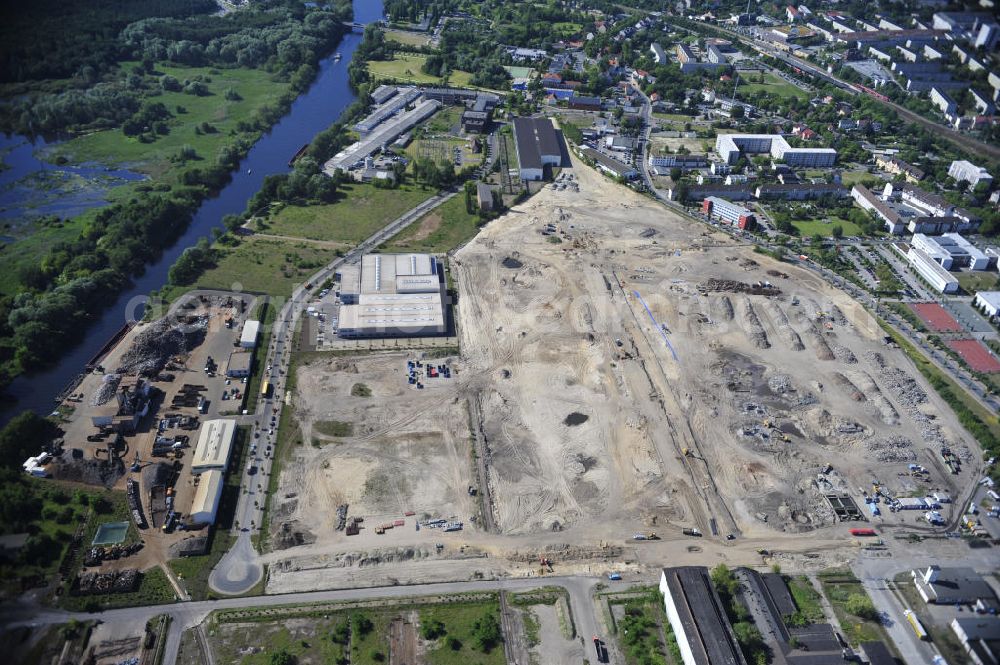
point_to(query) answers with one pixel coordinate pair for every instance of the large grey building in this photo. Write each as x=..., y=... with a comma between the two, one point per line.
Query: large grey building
x=392, y=295
x=538, y=146
x=699, y=621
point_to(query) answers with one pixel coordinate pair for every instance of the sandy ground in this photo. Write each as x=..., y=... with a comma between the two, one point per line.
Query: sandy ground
x=716, y=408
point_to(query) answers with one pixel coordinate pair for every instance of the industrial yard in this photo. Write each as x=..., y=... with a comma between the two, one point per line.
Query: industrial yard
x=623, y=372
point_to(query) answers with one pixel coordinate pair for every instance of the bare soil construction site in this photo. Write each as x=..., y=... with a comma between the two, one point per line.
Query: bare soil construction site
x=623, y=370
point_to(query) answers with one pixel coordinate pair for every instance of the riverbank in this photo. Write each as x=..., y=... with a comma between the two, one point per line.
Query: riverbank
x=307, y=115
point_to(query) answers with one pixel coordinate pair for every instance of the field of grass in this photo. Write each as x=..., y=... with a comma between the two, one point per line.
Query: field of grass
x=807, y=599
x=749, y=88
x=255, y=87
x=440, y=230
x=408, y=38
x=406, y=67
x=566, y=28
x=458, y=620
x=838, y=588
x=336, y=428
x=363, y=211
x=808, y=229
x=980, y=280
x=640, y=631
x=851, y=178
x=263, y=265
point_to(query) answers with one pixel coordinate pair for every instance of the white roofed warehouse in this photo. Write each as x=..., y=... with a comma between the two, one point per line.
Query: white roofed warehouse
x=251, y=330
x=205, y=505
x=215, y=443
x=393, y=295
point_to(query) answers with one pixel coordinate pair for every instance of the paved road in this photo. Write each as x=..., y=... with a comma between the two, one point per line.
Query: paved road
x=187, y=615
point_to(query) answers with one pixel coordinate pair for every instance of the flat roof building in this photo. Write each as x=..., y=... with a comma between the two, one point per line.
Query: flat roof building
x=731, y=147
x=251, y=330
x=728, y=212
x=205, y=505
x=394, y=295
x=613, y=167
x=938, y=278
x=948, y=586
x=215, y=444
x=988, y=302
x=239, y=364
x=980, y=637
x=538, y=145
x=659, y=55
x=704, y=634
x=951, y=251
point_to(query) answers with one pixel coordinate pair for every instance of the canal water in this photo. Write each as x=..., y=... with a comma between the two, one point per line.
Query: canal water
x=313, y=111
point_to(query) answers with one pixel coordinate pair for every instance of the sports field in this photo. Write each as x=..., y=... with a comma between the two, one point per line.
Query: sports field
x=935, y=317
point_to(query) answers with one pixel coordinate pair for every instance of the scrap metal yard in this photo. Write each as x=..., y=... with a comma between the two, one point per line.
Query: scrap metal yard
x=622, y=371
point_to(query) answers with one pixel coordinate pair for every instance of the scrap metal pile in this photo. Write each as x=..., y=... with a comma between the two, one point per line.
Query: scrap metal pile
x=96, y=555
x=117, y=581
x=153, y=347
x=715, y=285
x=107, y=389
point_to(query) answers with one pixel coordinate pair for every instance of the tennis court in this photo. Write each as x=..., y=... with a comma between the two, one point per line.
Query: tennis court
x=975, y=355
x=935, y=317
x=111, y=533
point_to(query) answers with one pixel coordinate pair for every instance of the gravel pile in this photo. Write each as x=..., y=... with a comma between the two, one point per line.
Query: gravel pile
x=823, y=351
x=722, y=308
x=755, y=331
x=892, y=449
x=788, y=334
x=844, y=354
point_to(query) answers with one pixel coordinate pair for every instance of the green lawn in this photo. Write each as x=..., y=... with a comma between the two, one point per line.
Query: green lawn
x=440, y=230
x=980, y=280
x=407, y=38
x=808, y=229
x=566, y=28
x=749, y=88
x=406, y=67
x=262, y=265
x=363, y=211
x=111, y=146
x=851, y=178
x=639, y=631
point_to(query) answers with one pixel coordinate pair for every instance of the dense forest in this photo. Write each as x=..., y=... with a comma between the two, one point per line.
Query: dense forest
x=71, y=282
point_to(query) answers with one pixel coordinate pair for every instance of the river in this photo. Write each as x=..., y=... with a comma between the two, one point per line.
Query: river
x=312, y=112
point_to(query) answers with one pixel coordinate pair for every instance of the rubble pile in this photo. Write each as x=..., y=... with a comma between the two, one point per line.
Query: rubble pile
x=153, y=347
x=779, y=384
x=891, y=449
x=784, y=328
x=715, y=285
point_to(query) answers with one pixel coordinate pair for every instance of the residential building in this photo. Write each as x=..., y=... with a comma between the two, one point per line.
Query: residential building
x=969, y=172
x=934, y=206
x=609, y=164
x=715, y=55
x=938, y=278
x=896, y=166
x=867, y=200
x=538, y=145
x=698, y=618
x=952, y=251
x=659, y=55
x=731, y=147
x=683, y=162
x=980, y=637
x=699, y=193
x=715, y=208
x=943, y=101
x=251, y=331
x=948, y=586
x=988, y=302
x=983, y=102
x=801, y=191
x=876, y=653
x=988, y=36
x=397, y=295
